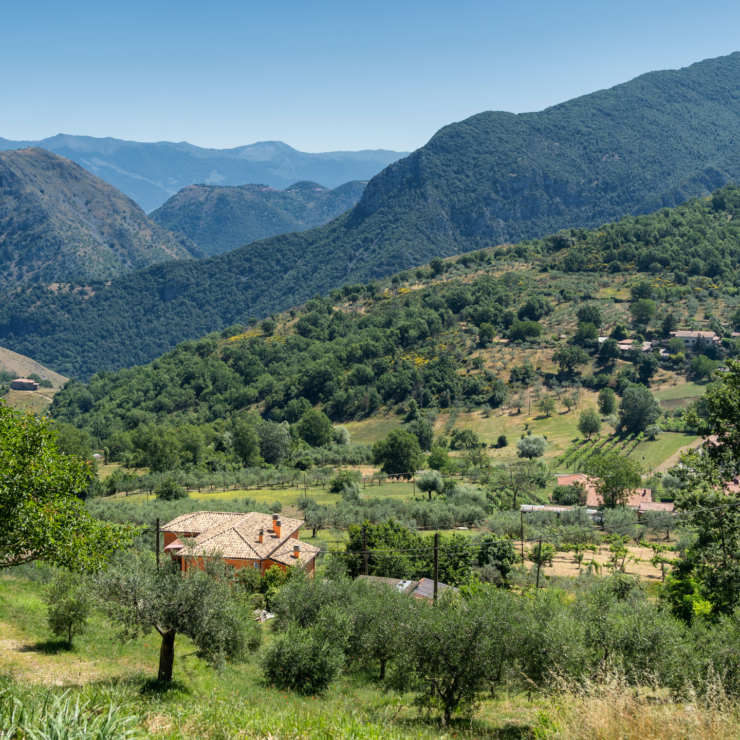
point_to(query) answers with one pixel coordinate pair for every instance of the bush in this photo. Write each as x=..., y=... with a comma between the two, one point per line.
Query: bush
x=502, y=442
x=304, y=661
x=342, y=480
x=170, y=490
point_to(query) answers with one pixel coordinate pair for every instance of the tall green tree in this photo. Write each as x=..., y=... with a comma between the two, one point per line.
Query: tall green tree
x=615, y=476
x=42, y=515
x=589, y=423
x=570, y=359
x=399, y=453
x=315, y=428
x=638, y=409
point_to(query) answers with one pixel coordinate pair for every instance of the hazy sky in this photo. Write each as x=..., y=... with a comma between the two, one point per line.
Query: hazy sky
x=325, y=75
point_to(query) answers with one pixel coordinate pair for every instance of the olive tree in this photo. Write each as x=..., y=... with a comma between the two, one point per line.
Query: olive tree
x=203, y=606
x=68, y=605
x=454, y=652
x=531, y=447
x=589, y=423
x=430, y=482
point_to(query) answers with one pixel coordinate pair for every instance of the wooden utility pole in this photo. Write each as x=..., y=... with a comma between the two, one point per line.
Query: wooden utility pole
x=539, y=559
x=364, y=546
x=157, y=535
x=521, y=517
x=436, y=563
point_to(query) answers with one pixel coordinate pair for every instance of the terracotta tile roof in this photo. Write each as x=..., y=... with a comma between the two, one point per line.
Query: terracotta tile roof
x=284, y=553
x=199, y=521
x=174, y=545
x=636, y=498
x=236, y=536
x=655, y=506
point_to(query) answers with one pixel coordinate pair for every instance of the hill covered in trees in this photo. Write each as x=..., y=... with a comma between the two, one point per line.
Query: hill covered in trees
x=219, y=219
x=475, y=333
x=59, y=223
x=492, y=178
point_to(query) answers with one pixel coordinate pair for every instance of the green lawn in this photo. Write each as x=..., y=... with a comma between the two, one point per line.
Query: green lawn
x=684, y=390
x=652, y=454
x=371, y=430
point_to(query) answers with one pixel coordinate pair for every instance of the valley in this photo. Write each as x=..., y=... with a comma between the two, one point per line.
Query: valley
x=445, y=449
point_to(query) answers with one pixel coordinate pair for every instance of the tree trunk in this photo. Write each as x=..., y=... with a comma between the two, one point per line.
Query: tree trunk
x=166, y=655
x=382, y=669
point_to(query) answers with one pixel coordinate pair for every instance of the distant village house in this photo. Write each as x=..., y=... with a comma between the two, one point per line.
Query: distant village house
x=250, y=540
x=24, y=384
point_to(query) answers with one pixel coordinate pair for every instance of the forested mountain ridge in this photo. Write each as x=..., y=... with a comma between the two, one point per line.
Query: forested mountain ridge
x=151, y=173
x=492, y=178
x=219, y=219
x=59, y=223
x=428, y=336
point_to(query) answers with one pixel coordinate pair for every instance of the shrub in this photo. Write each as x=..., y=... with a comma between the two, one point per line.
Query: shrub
x=343, y=479
x=502, y=442
x=304, y=661
x=170, y=490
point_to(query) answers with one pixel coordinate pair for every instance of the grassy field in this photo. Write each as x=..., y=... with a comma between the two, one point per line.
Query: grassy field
x=653, y=454
x=33, y=402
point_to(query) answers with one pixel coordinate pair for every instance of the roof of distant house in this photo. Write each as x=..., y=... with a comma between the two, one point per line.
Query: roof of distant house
x=236, y=536
x=422, y=589
x=655, y=506
x=693, y=334
x=636, y=497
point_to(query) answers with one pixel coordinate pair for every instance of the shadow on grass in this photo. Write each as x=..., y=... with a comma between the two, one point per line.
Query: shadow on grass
x=48, y=647
x=155, y=687
x=477, y=728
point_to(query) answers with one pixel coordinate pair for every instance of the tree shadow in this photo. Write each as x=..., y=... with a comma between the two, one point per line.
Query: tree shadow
x=48, y=647
x=155, y=687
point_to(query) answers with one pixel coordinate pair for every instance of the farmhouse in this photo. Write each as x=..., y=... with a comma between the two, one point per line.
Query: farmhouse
x=690, y=338
x=639, y=498
x=422, y=589
x=250, y=540
x=24, y=384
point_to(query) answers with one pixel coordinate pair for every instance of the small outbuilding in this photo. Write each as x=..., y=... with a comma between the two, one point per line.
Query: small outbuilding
x=24, y=384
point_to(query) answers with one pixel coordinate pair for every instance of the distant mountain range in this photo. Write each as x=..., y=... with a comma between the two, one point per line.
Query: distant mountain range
x=59, y=223
x=492, y=178
x=219, y=219
x=150, y=173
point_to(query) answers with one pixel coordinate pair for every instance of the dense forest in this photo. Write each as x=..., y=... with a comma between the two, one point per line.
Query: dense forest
x=433, y=339
x=219, y=219
x=492, y=178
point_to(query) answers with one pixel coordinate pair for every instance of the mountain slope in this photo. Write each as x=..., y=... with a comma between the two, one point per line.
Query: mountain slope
x=150, y=173
x=492, y=178
x=430, y=339
x=220, y=219
x=59, y=223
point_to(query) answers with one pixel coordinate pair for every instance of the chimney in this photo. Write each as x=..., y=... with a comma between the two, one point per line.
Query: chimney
x=261, y=538
x=296, y=550
x=276, y=526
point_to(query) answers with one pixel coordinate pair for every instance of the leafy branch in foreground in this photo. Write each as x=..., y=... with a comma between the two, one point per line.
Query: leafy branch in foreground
x=41, y=514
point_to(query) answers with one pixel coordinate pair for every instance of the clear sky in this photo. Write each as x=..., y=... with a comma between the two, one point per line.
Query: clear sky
x=323, y=75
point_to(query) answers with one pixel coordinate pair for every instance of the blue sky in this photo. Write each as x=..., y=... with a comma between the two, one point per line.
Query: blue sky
x=326, y=75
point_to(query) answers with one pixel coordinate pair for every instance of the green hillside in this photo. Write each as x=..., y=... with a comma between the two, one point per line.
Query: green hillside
x=495, y=177
x=59, y=223
x=493, y=329
x=219, y=219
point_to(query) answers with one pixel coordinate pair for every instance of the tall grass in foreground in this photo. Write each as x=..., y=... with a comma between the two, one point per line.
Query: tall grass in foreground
x=616, y=711
x=33, y=714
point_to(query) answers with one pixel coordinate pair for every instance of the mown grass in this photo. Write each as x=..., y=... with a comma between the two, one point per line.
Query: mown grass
x=651, y=454
x=683, y=390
